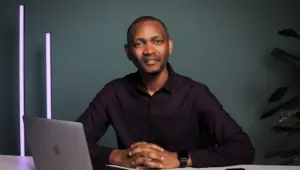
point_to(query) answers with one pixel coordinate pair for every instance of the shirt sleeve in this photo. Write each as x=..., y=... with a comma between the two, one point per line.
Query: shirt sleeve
x=233, y=146
x=96, y=122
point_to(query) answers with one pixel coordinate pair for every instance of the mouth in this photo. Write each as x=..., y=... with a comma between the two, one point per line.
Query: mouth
x=150, y=62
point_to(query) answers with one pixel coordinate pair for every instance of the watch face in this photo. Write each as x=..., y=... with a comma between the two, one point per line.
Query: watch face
x=183, y=157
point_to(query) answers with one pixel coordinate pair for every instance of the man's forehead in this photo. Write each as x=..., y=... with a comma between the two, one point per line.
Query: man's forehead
x=148, y=28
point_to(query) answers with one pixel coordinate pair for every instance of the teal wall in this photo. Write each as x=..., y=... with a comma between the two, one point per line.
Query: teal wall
x=8, y=78
x=222, y=44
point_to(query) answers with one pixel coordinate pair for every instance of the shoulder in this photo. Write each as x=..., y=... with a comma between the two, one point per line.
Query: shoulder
x=195, y=88
x=110, y=88
x=120, y=82
x=188, y=82
x=205, y=99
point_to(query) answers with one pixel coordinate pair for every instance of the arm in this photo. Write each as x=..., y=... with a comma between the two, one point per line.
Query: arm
x=95, y=122
x=233, y=145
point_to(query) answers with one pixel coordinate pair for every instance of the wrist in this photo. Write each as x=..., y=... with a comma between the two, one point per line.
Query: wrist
x=183, y=158
x=189, y=162
x=115, y=157
x=177, y=162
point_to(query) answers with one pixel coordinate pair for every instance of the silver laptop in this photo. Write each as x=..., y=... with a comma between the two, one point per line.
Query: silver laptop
x=57, y=144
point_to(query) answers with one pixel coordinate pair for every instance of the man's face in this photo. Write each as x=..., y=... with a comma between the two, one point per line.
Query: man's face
x=150, y=47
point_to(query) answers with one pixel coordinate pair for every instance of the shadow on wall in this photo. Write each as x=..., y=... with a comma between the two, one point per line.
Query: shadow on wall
x=9, y=107
x=40, y=86
x=40, y=81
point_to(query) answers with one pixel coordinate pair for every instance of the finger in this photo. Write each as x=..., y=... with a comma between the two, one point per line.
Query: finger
x=141, y=168
x=140, y=150
x=134, y=151
x=139, y=161
x=138, y=143
x=151, y=145
x=156, y=147
x=148, y=145
x=137, y=149
x=152, y=155
x=151, y=164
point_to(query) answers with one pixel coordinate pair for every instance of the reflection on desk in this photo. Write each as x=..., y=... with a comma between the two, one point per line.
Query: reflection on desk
x=8, y=162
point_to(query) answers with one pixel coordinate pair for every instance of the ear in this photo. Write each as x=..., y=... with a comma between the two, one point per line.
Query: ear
x=170, y=46
x=126, y=49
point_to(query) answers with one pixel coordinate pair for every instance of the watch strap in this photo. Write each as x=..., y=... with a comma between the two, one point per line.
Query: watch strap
x=183, y=158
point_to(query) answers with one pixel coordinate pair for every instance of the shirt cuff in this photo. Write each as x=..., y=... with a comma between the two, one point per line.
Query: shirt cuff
x=100, y=156
x=201, y=158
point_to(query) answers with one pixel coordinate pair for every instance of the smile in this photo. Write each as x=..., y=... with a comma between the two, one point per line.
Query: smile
x=150, y=62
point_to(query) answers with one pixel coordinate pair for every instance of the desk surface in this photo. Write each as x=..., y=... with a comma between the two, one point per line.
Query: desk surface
x=16, y=163
x=26, y=163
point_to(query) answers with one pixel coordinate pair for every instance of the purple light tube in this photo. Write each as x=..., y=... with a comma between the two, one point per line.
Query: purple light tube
x=21, y=78
x=48, y=75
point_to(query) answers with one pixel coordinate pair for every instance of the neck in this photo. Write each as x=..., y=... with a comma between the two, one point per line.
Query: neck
x=155, y=82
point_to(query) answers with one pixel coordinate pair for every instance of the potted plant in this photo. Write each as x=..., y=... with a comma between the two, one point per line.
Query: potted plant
x=289, y=110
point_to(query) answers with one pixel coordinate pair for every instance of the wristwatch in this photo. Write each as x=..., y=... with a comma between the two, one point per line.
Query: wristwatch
x=183, y=157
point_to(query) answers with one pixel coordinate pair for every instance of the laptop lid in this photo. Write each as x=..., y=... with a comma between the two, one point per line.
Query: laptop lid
x=57, y=144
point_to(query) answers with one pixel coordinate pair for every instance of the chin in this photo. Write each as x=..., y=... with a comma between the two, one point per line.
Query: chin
x=152, y=70
x=153, y=73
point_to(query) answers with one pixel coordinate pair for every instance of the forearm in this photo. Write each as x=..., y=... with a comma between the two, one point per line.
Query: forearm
x=100, y=155
x=115, y=157
x=231, y=153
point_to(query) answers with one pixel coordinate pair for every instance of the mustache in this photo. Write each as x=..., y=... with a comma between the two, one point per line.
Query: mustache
x=152, y=57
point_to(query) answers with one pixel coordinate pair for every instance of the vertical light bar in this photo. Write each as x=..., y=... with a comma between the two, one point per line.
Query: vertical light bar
x=48, y=74
x=21, y=77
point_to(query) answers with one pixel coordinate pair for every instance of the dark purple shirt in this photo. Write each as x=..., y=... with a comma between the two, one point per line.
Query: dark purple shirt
x=183, y=115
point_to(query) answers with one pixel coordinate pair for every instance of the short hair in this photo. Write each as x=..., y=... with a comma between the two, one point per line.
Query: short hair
x=142, y=19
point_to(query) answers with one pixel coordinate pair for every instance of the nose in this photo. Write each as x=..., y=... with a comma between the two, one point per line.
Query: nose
x=149, y=49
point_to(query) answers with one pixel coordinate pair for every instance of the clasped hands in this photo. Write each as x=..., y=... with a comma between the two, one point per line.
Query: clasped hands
x=145, y=155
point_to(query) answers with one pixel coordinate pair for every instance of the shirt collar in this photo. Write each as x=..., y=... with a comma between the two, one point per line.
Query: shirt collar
x=168, y=86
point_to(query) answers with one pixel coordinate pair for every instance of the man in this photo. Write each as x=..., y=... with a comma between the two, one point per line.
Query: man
x=162, y=119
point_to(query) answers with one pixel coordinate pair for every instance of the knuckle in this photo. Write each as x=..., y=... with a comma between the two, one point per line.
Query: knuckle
x=138, y=160
x=152, y=155
x=136, y=150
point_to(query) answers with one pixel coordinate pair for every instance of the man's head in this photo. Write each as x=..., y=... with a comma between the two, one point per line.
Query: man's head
x=148, y=44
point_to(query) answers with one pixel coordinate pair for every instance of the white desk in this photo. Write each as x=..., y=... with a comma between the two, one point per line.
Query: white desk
x=26, y=163
x=16, y=163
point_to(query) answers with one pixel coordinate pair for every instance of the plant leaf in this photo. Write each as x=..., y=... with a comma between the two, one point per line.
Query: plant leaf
x=290, y=161
x=283, y=56
x=283, y=154
x=289, y=33
x=289, y=111
x=298, y=116
x=278, y=108
x=287, y=130
x=278, y=94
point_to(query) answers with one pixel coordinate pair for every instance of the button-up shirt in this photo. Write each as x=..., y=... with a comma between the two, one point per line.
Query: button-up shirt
x=182, y=115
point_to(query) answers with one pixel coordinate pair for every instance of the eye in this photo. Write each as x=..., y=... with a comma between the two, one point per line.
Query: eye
x=137, y=44
x=158, y=41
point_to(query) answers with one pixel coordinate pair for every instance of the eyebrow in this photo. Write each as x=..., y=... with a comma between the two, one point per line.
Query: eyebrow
x=143, y=39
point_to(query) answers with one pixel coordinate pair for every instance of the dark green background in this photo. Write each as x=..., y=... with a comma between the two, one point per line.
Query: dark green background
x=223, y=44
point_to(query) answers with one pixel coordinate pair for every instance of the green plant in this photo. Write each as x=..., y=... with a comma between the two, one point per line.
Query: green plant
x=289, y=110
